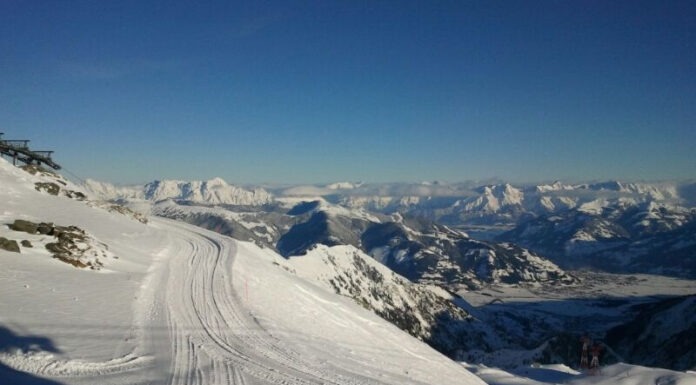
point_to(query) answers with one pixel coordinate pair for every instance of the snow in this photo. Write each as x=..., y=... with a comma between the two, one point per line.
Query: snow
x=336, y=210
x=176, y=304
x=182, y=305
x=171, y=209
x=594, y=207
x=555, y=186
x=619, y=374
x=213, y=191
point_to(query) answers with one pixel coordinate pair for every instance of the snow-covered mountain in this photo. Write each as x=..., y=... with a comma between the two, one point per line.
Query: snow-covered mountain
x=430, y=253
x=212, y=192
x=418, y=249
x=500, y=204
x=646, y=237
x=424, y=311
x=613, y=225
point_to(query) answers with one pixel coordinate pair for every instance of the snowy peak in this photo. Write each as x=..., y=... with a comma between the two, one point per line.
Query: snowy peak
x=494, y=198
x=657, y=191
x=212, y=192
x=555, y=186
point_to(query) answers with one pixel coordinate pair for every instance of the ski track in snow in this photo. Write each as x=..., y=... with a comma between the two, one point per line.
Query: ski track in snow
x=194, y=329
x=216, y=340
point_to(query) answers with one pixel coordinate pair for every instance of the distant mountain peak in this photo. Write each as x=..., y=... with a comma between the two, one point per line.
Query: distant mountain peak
x=217, y=181
x=214, y=191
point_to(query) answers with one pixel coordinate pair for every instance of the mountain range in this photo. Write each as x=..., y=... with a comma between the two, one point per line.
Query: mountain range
x=612, y=226
x=451, y=237
x=503, y=300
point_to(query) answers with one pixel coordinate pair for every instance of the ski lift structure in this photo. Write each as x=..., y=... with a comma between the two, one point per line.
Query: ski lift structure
x=18, y=150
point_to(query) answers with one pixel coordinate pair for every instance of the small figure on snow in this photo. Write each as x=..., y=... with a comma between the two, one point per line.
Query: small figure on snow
x=596, y=350
x=586, y=341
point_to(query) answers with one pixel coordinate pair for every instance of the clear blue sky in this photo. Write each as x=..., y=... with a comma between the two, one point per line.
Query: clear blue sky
x=318, y=91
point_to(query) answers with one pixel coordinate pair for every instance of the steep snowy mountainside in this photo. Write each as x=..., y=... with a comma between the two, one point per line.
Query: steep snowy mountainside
x=214, y=192
x=647, y=237
x=439, y=255
x=328, y=326
x=426, y=312
x=652, y=218
x=494, y=199
x=246, y=225
x=80, y=302
x=108, y=191
x=319, y=222
x=417, y=248
x=661, y=334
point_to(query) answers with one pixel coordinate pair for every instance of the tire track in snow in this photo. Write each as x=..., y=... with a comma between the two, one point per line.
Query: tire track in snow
x=194, y=322
x=213, y=334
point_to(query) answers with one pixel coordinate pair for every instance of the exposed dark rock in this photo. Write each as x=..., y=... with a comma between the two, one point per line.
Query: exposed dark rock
x=124, y=211
x=26, y=243
x=75, y=195
x=45, y=228
x=24, y=226
x=49, y=187
x=72, y=261
x=9, y=245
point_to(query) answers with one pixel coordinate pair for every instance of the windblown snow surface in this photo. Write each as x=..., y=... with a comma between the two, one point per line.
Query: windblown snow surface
x=176, y=304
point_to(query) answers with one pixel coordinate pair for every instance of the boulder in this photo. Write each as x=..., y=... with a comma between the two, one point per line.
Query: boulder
x=46, y=228
x=9, y=245
x=24, y=226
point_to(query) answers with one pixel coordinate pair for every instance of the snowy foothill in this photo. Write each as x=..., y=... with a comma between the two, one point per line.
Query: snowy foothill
x=177, y=304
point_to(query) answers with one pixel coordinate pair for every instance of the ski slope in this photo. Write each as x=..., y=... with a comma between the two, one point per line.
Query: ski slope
x=244, y=317
x=181, y=305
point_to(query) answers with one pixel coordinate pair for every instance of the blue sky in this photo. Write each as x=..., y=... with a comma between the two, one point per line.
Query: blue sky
x=319, y=91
